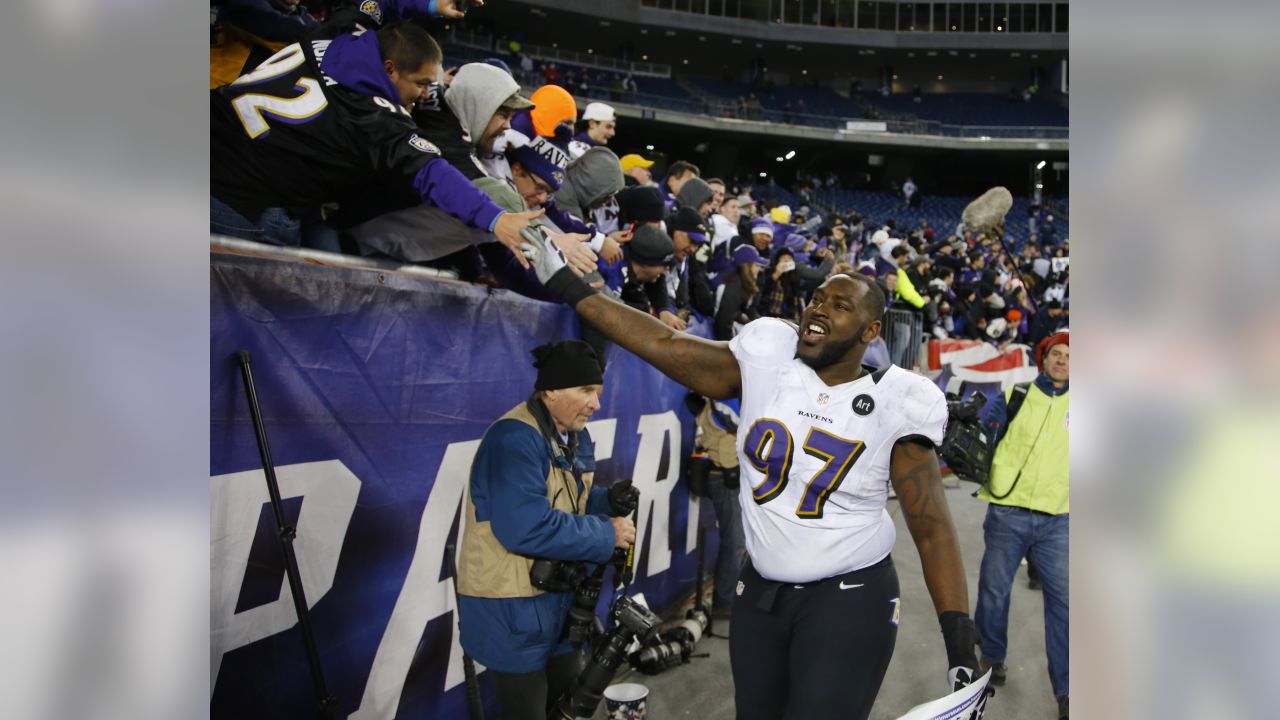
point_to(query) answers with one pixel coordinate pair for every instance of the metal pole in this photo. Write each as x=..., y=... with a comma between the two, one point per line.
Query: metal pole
x=287, y=533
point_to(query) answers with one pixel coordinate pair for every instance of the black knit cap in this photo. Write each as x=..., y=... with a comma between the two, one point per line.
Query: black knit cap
x=639, y=205
x=566, y=364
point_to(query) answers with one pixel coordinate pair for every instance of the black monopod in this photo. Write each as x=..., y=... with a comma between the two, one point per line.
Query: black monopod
x=287, y=533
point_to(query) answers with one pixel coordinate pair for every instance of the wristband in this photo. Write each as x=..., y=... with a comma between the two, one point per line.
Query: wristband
x=960, y=636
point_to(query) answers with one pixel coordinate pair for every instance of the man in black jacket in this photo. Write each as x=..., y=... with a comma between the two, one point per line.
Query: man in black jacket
x=686, y=279
x=644, y=288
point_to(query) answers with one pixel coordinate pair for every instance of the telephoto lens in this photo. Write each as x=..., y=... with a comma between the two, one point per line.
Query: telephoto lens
x=692, y=627
x=631, y=620
x=584, y=697
x=653, y=659
x=583, y=624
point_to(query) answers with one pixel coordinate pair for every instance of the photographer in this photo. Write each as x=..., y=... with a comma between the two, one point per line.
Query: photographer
x=714, y=474
x=530, y=501
x=1029, y=513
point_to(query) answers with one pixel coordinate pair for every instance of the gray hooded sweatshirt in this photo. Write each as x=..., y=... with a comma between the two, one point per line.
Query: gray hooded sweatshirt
x=595, y=175
x=694, y=192
x=475, y=94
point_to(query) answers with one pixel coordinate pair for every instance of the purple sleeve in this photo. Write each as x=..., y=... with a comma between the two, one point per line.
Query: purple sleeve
x=440, y=184
x=566, y=222
x=504, y=266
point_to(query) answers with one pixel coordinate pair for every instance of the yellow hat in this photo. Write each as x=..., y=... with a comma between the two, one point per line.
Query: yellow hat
x=633, y=161
x=781, y=214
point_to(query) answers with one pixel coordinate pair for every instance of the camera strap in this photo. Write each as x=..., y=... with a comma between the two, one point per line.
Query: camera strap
x=1013, y=411
x=1016, y=399
x=561, y=454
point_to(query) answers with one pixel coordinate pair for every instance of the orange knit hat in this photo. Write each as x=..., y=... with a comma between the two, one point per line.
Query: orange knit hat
x=552, y=106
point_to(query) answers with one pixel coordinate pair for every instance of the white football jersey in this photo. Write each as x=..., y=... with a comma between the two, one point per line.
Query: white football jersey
x=815, y=459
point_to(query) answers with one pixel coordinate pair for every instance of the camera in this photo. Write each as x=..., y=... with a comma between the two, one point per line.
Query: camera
x=966, y=448
x=674, y=646
x=557, y=575
x=631, y=620
x=583, y=625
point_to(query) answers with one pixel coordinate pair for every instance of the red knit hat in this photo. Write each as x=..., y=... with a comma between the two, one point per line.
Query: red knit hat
x=1062, y=337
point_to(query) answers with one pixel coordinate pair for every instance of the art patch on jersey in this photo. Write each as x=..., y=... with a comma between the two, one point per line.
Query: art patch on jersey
x=372, y=9
x=740, y=588
x=864, y=404
x=423, y=144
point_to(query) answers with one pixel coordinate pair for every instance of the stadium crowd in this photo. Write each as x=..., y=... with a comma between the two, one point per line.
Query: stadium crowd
x=681, y=246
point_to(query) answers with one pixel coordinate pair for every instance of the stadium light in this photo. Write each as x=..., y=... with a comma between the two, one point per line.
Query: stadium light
x=791, y=154
x=779, y=158
x=1040, y=166
x=648, y=147
x=764, y=174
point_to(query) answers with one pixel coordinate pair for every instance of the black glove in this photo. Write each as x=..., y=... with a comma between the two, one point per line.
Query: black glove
x=623, y=498
x=961, y=636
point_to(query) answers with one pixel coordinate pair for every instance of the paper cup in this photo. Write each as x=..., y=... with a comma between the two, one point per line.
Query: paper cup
x=626, y=701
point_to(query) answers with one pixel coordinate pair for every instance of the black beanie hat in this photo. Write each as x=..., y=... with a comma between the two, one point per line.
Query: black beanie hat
x=639, y=204
x=566, y=364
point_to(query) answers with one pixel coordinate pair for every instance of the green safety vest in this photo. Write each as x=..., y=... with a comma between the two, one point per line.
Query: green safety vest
x=1032, y=458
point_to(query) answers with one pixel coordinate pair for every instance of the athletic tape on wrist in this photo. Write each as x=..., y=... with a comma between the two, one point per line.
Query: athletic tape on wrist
x=570, y=288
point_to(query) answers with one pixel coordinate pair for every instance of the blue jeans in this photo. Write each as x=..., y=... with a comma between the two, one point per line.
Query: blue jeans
x=733, y=544
x=275, y=227
x=1012, y=533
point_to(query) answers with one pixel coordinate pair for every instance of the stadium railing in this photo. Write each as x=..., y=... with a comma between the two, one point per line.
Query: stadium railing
x=903, y=332
x=487, y=43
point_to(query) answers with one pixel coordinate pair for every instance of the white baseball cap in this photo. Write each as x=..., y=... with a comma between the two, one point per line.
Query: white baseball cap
x=599, y=111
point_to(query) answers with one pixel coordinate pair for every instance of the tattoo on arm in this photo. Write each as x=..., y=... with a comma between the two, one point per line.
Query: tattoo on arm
x=914, y=471
x=917, y=479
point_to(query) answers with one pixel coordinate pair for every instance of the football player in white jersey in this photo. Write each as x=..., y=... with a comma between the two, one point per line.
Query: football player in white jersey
x=821, y=440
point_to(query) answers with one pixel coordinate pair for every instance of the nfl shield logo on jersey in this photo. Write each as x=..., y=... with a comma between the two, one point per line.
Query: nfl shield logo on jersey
x=372, y=9
x=823, y=398
x=740, y=587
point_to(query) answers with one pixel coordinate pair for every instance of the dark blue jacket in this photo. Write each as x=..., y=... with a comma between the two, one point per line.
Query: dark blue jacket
x=509, y=489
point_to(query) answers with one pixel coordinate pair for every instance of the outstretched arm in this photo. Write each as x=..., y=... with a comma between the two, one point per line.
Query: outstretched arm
x=704, y=366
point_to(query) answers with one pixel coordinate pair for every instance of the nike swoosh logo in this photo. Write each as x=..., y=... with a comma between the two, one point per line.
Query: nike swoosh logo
x=849, y=587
